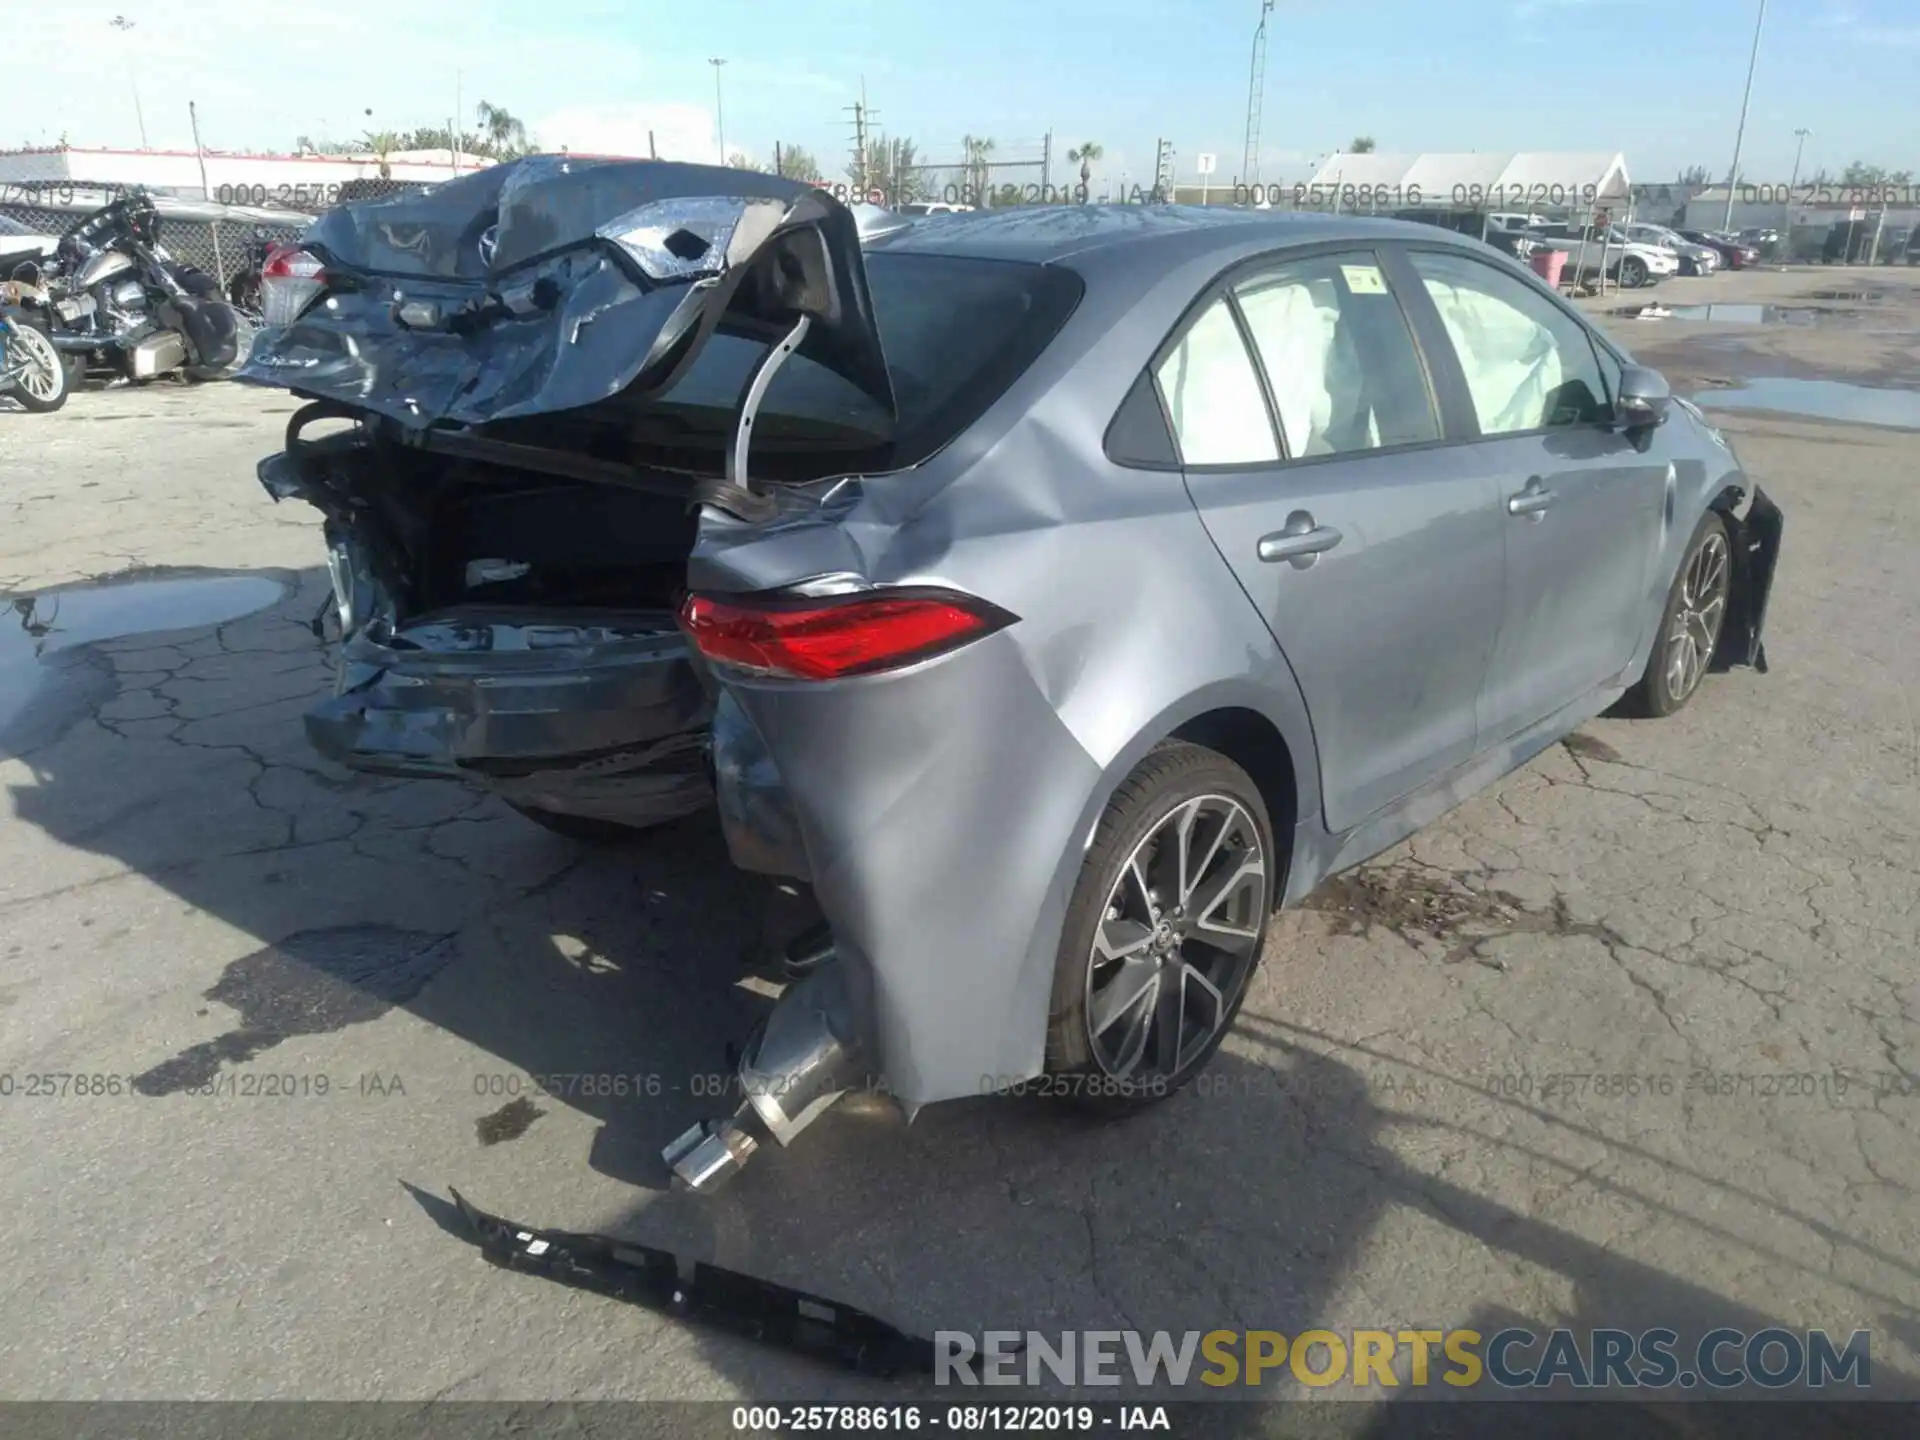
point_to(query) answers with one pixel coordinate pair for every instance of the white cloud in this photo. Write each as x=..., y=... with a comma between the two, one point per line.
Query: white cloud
x=1845, y=16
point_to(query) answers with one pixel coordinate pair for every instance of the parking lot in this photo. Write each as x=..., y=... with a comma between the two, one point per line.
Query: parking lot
x=1630, y=1039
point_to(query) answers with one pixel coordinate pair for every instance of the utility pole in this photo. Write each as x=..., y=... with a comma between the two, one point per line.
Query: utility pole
x=1733, y=173
x=719, y=108
x=1046, y=168
x=200, y=153
x=123, y=25
x=459, y=117
x=1801, y=136
x=779, y=168
x=862, y=123
x=1256, y=97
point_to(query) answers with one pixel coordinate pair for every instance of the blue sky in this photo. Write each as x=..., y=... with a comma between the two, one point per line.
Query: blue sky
x=1657, y=79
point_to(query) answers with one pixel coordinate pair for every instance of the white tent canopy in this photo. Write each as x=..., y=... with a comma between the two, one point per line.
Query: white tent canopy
x=1499, y=180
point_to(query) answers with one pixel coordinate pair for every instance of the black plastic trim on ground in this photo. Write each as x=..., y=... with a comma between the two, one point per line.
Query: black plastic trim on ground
x=704, y=1294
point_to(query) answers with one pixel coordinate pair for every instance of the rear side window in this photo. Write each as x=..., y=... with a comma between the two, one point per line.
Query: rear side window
x=1213, y=396
x=1528, y=364
x=1339, y=358
x=956, y=331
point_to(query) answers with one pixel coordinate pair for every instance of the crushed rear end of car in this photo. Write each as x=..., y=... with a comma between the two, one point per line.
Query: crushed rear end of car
x=539, y=395
x=508, y=514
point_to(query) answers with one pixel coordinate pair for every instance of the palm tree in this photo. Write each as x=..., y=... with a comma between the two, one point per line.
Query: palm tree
x=1362, y=145
x=506, y=134
x=978, y=149
x=1083, y=155
x=382, y=143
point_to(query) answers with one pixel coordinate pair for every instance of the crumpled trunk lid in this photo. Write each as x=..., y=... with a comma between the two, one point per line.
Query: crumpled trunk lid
x=549, y=284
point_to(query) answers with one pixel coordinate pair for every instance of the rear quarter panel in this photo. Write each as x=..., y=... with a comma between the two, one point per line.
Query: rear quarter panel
x=945, y=809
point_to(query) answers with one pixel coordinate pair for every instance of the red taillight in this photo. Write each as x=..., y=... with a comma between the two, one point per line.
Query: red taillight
x=290, y=279
x=826, y=639
x=290, y=262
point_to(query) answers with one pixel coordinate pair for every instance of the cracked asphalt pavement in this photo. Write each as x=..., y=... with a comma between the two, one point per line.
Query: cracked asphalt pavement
x=1631, y=1038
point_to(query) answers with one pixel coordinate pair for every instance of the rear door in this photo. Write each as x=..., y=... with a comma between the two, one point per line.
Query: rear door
x=1580, y=507
x=1310, y=436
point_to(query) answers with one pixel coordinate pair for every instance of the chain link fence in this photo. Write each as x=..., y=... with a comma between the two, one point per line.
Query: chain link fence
x=222, y=248
x=1800, y=223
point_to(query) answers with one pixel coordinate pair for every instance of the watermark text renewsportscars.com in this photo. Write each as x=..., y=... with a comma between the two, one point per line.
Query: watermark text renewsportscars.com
x=1515, y=1358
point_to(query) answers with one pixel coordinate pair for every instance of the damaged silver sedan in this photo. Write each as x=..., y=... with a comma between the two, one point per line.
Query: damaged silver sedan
x=1057, y=593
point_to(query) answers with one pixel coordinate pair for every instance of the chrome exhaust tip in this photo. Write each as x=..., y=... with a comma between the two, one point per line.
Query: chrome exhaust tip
x=807, y=1057
x=805, y=1060
x=710, y=1154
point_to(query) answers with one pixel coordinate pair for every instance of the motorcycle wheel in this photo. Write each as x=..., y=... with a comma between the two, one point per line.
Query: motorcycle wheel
x=42, y=385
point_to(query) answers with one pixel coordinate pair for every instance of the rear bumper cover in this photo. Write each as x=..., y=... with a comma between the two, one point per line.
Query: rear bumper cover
x=603, y=718
x=941, y=837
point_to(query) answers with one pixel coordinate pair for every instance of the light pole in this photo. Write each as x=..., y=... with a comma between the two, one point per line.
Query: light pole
x=1256, y=98
x=719, y=108
x=123, y=25
x=1740, y=134
x=1802, y=145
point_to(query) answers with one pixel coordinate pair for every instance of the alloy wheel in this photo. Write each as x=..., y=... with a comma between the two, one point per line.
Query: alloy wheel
x=40, y=371
x=1697, y=615
x=1177, y=939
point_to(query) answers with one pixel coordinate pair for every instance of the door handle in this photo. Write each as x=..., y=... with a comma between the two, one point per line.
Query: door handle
x=1300, y=542
x=1532, y=502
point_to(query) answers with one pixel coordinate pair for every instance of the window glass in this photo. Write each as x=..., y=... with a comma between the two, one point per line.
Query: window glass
x=1213, y=395
x=1339, y=358
x=1528, y=364
x=955, y=330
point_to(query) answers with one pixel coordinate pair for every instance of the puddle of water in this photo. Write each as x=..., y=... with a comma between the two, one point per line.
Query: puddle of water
x=1721, y=314
x=38, y=629
x=1820, y=399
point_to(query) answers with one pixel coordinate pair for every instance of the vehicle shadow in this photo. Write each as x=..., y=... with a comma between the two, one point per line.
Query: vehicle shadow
x=1247, y=1203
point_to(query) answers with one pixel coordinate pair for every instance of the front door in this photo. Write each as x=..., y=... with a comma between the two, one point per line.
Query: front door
x=1309, y=436
x=1580, y=507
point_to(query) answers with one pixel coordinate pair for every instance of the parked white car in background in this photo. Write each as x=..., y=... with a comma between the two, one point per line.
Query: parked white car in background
x=1627, y=260
x=1694, y=259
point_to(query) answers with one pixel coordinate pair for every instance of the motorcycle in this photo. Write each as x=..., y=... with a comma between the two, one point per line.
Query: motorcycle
x=30, y=368
x=113, y=296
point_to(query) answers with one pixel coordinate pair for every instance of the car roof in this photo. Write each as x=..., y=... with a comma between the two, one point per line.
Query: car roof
x=1103, y=235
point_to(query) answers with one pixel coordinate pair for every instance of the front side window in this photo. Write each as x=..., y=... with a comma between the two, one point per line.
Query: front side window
x=1213, y=396
x=1338, y=356
x=1528, y=364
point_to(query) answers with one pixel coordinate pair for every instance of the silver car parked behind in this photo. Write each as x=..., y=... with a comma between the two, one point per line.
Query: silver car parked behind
x=1058, y=592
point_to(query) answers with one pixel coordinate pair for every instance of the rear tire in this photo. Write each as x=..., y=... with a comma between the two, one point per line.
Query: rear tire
x=1163, y=932
x=582, y=829
x=1633, y=272
x=1690, y=623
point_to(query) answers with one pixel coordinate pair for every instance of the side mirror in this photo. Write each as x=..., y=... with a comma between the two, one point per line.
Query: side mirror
x=1644, y=398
